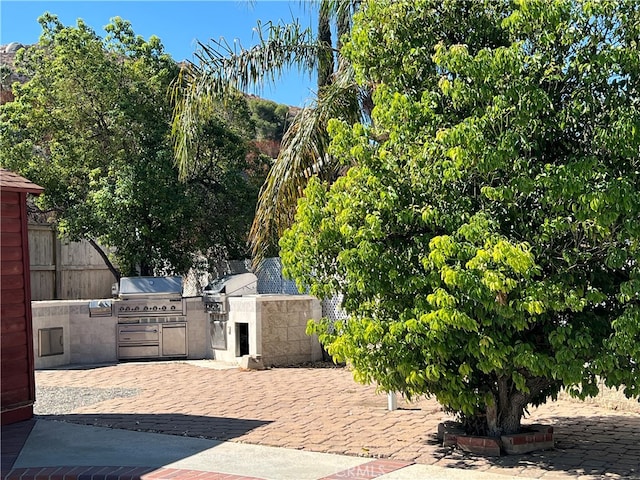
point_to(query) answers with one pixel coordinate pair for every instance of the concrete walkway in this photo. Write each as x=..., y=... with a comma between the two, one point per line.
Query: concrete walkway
x=189, y=421
x=71, y=447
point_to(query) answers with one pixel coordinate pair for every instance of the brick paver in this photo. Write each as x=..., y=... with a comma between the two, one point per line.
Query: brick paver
x=324, y=410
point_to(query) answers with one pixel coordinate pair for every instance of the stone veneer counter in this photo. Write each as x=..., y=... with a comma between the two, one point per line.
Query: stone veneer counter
x=275, y=325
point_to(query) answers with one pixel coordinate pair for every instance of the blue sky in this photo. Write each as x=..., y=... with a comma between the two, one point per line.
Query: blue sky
x=179, y=24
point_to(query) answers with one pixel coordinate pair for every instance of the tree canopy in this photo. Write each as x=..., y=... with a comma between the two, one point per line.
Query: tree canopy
x=92, y=126
x=223, y=69
x=270, y=119
x=486, y=240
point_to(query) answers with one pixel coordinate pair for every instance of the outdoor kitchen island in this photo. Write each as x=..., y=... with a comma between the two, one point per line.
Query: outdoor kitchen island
x=83, y=332
x=82, y=339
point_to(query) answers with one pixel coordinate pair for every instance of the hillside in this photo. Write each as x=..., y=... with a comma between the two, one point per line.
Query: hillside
x=7, y=70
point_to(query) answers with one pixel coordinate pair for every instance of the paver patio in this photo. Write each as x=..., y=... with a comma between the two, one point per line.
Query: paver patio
x=324, y=410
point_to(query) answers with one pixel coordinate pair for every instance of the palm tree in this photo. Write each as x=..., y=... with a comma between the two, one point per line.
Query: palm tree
x=222, y=70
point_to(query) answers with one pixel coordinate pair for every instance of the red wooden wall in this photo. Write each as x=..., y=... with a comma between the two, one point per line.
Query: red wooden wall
x=16, y=348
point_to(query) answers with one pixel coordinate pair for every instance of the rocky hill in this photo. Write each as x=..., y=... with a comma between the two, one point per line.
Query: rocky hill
x=7, y=70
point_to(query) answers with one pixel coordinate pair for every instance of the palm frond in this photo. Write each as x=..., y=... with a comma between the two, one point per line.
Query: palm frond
x=279, y=47
x=223, y=69
x=303, y=155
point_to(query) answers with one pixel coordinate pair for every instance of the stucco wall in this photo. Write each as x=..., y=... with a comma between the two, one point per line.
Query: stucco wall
x=51, y=314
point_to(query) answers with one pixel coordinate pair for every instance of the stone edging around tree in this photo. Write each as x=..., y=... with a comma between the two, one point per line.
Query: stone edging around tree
x=534, y=437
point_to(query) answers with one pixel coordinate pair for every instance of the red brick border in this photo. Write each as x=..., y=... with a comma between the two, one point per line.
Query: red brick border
x=535, y=437
x=479, y=445
x=116, y=473
x=539, y=438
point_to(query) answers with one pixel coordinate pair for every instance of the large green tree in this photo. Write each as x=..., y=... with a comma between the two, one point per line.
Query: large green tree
x=92, y=126
x=487, y=241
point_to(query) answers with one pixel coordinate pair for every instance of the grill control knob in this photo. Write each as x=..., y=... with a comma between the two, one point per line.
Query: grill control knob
x=155, y=308
x=173, y=307
x=164, y=307
x=145, y=308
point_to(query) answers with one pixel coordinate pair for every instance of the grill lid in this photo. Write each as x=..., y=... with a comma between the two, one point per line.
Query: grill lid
x=137, y=287
x=233, y=285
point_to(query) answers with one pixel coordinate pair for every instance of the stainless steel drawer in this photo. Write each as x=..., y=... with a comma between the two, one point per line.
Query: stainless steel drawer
x=138, y=334
x=136, y=351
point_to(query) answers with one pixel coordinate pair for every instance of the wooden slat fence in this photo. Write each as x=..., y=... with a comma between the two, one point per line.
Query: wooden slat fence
x=63, y=270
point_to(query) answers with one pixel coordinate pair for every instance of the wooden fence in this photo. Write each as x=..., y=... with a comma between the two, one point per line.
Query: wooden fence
x=63, y=270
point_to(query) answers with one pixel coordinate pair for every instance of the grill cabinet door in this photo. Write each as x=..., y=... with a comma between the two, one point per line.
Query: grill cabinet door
x=174, y=339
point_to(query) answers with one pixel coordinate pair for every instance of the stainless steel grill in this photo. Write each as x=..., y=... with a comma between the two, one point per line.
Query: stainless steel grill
x=151, y=318
x=150, y=297
x=215, y=297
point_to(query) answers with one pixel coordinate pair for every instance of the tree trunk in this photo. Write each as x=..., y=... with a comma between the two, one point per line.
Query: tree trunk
x=344, y=15
x=510, y=420
x=511, y=405
x=325, y=58
x=105, y=259
x=146, y=270
x=504, y=415
x=493, y=430
x=504, y=419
